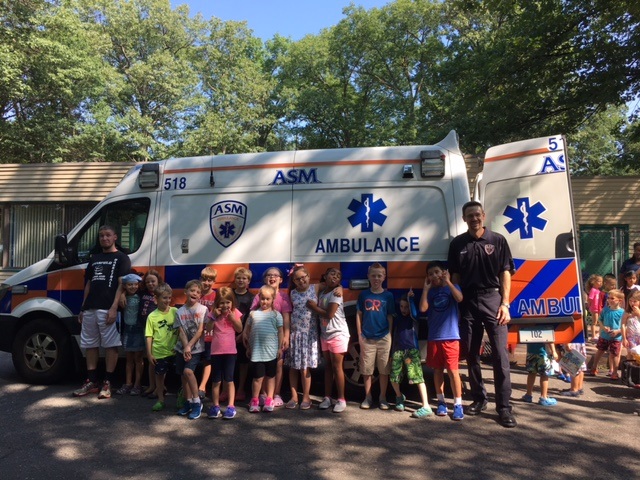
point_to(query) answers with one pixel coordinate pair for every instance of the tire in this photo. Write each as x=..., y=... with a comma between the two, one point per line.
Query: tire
x=41, y=352
x=354, y=382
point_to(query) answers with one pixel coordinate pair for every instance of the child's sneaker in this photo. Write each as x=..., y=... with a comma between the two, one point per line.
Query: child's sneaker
x=230, y=412
x=186, y=408
x=382, y=404
x=422, y=412
x=214, y=412
x=106, y=390
x=268, y=405
x=181, y=401
x=400, y=403
x=254, y=405
x=135, y=391
x=366, y=403
x=442, y=411
x=325, y=403
x=547, y=402
x=87, y=388
x=124, y=389
x=458, y=414
x=262, y=399
x=527, y=398
x=340, y=406
x=277, y=401
x=570, y=393
x=196, y=411
x=158, y=406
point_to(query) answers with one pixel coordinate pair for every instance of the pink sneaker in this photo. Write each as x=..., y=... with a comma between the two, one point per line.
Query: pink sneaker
x=277, y=401
x=268, y=405
x=254, y=405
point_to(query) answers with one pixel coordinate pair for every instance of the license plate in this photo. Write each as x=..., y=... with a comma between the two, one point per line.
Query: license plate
x=537, y=335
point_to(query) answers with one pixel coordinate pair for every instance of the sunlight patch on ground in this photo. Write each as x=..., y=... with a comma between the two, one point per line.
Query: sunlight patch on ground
x=70, y=450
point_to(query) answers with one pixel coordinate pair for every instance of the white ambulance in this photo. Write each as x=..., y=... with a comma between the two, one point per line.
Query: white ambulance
x=347, y=208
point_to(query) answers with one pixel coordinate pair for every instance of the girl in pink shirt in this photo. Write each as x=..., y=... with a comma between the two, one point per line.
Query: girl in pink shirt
x=226, y=322
x=594, y=301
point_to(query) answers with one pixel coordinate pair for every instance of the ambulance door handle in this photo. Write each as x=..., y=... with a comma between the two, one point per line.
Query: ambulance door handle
x=185, y=245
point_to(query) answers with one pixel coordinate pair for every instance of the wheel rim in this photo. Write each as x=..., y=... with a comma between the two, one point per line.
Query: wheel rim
x=40, y=352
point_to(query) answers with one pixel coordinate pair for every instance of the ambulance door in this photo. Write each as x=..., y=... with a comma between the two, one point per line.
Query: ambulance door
x=526, y=193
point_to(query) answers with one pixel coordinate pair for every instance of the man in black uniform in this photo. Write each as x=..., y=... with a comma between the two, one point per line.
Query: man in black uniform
x=99, y=309
x=480, y=262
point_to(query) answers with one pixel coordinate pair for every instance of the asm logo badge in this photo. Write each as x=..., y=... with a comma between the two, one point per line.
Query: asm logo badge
x=227, y=220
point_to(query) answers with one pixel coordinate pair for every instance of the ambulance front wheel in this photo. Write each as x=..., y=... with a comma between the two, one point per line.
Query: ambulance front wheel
x=41, y=352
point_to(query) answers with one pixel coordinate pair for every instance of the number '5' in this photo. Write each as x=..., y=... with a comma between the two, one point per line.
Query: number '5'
x=553, y=144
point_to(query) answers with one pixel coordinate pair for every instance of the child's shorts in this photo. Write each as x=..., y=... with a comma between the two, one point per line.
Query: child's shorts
x=163, y=364
x=223, y=367
x=133, y=339
x=375, y=353
x=539, y=364
x=613, y=346
x=182, y=364
x=264, y=369
x=443, y=354
x=337, y=344
x=411, y=359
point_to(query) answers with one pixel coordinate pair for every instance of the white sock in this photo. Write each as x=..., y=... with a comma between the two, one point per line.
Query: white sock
x=195, y=400
x=441, y=397
x=457, y=401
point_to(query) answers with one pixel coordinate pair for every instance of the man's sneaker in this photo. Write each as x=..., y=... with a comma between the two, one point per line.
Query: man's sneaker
x=442, y=411
x=196, y=411
x=325, y=403
x=422, y=412
x=527, y=398
x=268, y=405
x=254, y=405
x=106, y=390
x=262, y=399
x=366, y=403
x=547, y=402
x=383, y=405
x=214, y=412
x=230, y=412
x=87, y=388
x=124, y=389
x=400, y=403
x=340, y=406
x=186, y=408
x=458, y=414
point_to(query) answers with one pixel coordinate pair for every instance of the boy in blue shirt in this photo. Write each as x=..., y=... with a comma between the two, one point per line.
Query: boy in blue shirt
x=610, y=333
x=374, y=320
x=440, y=300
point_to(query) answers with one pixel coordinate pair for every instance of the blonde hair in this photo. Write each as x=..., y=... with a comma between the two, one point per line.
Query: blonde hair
x=592, y=280
x=243, y=271
x=162, y=289
x=377, y=266
x=209, y=273
x=191, y=283
x=267, y=288
x=615, y=293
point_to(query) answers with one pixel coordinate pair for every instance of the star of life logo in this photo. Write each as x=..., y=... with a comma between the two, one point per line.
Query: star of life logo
x=525, y=218
x=367, y=212
x=227, y=221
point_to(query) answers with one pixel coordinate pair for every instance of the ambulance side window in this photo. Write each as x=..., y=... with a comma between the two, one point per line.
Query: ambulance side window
x=128, y=217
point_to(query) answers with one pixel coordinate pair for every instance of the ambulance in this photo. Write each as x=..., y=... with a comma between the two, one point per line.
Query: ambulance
x=345, y=208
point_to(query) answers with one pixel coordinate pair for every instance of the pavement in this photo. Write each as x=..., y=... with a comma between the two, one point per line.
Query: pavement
x=48, y=433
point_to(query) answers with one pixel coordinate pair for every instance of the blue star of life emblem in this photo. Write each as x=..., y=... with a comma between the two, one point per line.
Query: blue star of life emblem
x=525, y=217
x=227, y=229
x=367, y=212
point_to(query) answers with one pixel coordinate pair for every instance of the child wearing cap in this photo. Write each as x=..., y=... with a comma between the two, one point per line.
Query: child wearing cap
x=133, y=340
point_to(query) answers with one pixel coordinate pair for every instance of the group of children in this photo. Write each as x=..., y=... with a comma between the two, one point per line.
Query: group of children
x=219, y=329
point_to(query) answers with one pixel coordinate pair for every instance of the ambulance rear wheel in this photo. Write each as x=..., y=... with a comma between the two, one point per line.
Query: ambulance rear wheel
x=41, y=352
x=351, y=367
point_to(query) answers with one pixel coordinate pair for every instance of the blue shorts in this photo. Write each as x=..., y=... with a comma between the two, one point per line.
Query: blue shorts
x=182, y=365
x=133, y=339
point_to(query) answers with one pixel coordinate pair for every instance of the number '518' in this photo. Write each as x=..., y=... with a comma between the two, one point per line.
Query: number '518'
x=178, y=183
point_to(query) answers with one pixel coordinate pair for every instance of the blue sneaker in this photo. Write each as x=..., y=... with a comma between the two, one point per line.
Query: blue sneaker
x=214, y=412
x=185, y=410
x=547, y=402
x=527, y=398
x=230, y=412
x=196, y=411
x=441, y=411
x=457, y=413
